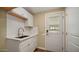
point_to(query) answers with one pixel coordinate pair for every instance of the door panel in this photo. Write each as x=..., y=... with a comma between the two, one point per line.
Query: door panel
x=53, y=42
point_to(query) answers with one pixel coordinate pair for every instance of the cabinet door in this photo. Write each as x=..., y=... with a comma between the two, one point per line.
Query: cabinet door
x=24, y=46
x=29, y=21
x=24, y=49
x=33, y=43
x=20, y=11
x=28, y=45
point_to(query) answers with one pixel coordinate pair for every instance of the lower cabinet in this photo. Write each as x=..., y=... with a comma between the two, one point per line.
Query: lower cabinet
x=27, y=45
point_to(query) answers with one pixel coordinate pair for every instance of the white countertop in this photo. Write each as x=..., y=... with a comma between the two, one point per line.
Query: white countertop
x=21, y=39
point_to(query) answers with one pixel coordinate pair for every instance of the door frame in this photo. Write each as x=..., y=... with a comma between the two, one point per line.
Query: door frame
x=64, y=27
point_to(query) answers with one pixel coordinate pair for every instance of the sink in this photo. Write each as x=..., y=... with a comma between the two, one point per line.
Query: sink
x=22, y=36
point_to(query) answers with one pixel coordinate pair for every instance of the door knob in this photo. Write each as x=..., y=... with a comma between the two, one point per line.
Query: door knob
x=46, y=32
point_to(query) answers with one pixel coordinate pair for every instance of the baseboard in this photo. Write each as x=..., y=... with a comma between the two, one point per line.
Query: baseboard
x=3, y=50
x=65, y=50
x=42, y=48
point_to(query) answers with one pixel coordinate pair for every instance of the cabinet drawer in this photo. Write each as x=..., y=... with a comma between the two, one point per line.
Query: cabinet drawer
x=24, y=46
x=25, y=42
x=28, y=45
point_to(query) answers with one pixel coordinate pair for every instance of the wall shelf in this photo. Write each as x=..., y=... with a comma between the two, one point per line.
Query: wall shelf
x=18, y=16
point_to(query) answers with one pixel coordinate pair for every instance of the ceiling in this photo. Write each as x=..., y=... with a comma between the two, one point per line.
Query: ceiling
x=35, y=10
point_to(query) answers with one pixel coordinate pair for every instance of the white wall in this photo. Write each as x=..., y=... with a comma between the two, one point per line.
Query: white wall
x=13, y=24
x=2, y=30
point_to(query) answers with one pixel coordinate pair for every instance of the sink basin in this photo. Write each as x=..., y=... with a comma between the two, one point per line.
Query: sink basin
x=22, y=36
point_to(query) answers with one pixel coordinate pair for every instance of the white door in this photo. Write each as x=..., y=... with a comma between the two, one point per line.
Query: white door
x=54, y=32
x=72, y=20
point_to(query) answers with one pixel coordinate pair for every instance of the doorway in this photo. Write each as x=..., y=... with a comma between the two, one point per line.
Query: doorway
x=54, y=31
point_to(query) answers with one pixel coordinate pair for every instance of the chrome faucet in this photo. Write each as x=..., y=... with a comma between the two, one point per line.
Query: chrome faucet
x=20, y=31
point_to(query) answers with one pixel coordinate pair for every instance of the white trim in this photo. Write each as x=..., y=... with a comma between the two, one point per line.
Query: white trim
x=55, y=13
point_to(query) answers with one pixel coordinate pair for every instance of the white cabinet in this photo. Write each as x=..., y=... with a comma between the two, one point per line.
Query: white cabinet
x=24, y=13
x=20, y=11
x=26, y=45
x=29, y=21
